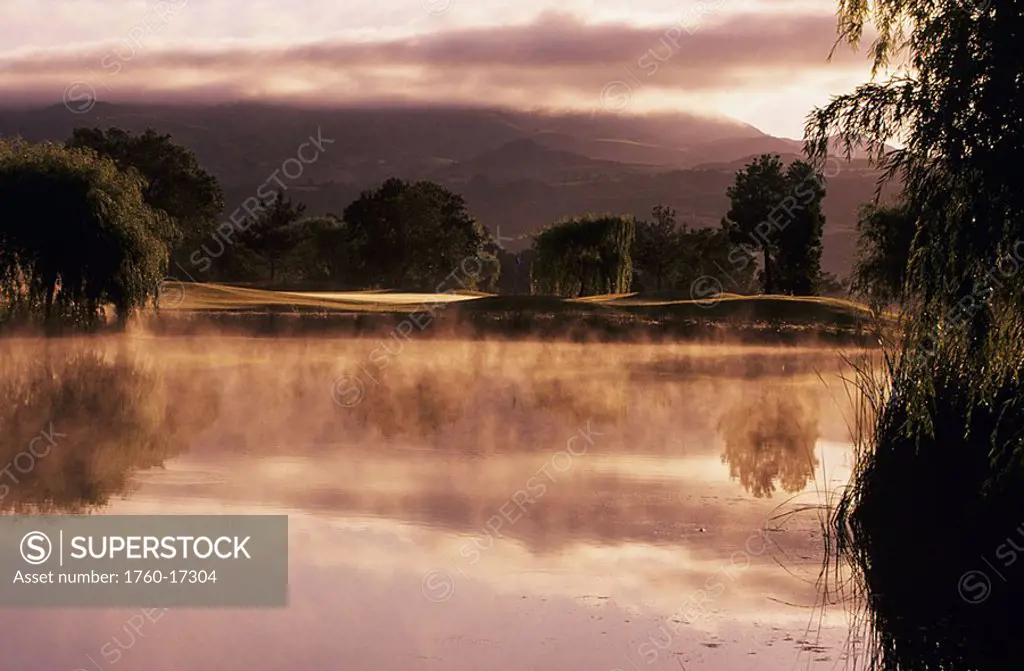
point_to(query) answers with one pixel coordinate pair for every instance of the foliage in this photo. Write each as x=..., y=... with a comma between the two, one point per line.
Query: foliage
x=657, y=250
x=174, y=181
x=940, y=469
x=776, y=212
x=939, y=474
x=75, y=234
x=831, y=285
x=671, y=257
x=273, y=232
x=799, y=235
x=238, y=263
x=883, y=252
x=322, y=251
x=710, y=252
x=414, y=236
x=952, y=97
x=757, y=191
x=585, y=255
x=953, y=102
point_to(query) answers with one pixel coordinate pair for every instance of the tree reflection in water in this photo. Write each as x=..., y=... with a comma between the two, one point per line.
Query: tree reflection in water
x=79, y=420
x=769, y=438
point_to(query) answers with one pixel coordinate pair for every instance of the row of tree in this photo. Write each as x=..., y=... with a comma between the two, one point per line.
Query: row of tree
x=411, y=235
x=398, y=235
x=103, y=218
x=775, y=218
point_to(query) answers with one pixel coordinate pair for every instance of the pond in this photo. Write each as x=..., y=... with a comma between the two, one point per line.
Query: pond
x=467, y=505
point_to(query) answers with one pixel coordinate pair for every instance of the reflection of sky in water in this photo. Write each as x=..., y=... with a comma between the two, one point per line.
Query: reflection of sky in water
x=408, y=549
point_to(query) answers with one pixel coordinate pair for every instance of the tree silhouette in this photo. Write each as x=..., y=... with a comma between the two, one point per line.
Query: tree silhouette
x=656, y=250
x=710, y=252
x=75, y=234
x=753, y=198
x=174, y=181
x=585, y=256
x=324, y=251
x=798, y=237
x=274, y=232
x=883, y=252
x=414, y=235
x=777, y=212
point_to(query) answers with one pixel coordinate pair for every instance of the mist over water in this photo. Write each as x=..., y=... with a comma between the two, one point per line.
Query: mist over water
x=462, y=506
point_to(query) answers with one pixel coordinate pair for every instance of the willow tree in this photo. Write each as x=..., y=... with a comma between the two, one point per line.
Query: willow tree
x=946, y=86
x=584, y=256
x=75, y=234
x=886, y=235
x=939, y=480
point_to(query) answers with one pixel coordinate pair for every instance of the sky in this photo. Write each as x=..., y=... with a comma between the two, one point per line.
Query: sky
x=764, y=62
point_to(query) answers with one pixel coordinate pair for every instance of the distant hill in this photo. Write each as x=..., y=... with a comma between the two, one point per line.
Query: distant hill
x=517, y=170
x=525, y=158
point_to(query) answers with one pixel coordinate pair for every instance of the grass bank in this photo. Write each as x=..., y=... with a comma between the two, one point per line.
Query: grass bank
x=189, y=308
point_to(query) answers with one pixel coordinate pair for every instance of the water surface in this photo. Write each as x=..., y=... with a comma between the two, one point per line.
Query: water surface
x=466, y=505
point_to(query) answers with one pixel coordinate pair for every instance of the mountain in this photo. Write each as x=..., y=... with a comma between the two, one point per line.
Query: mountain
x=517, y=170
x=526, y=158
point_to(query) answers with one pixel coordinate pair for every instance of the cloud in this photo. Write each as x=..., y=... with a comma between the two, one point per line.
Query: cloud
x=555, y=61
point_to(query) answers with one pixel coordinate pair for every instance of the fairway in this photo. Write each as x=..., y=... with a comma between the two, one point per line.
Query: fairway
x=199, y=297
x=653, y=307
x=382, y=297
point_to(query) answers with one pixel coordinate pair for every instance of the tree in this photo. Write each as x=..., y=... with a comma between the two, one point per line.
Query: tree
x=174, y=181
x=75, y=234
x=777, y=212
x=753, y=198
x=798, y=238
x=489, y=276
x=656, y=250
x=324, y=251
x=274, y=232
x=414, y=235
x=883, y=252
x=584, y=256
x=953, y=102
x=940, y=468
x=710, y=252
x=833, y=286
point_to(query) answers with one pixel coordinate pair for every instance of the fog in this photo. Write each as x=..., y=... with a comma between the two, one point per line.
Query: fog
x=437, y=431
x=537, y=475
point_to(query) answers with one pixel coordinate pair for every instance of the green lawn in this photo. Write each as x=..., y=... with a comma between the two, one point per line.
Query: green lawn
x=229, y=298
x=726, y=307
